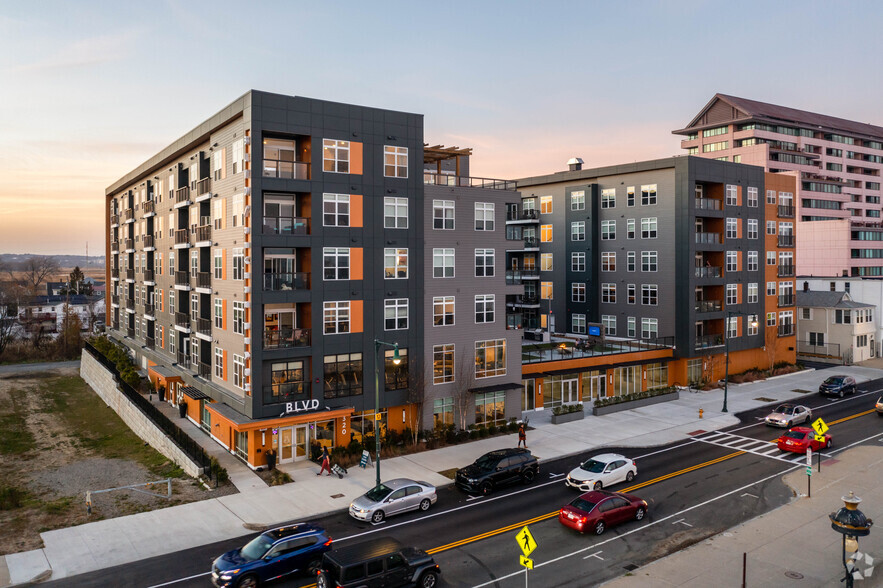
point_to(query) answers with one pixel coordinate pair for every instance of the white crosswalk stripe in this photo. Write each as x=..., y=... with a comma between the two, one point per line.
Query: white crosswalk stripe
x=749, y=445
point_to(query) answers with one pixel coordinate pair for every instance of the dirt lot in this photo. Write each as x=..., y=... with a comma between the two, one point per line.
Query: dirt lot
x=57, y=440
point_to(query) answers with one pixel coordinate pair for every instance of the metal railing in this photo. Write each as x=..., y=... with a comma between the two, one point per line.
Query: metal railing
x=708, y=306
x=204, y=233
x=148, y=275
x=514, y=321
x=287, y=281
x=204, y=326
x=467, y=181
x=205, y=370
x=182, y=237
x=708, y=271
x=130, y=332
x=518, y=215
x=130, y=244
x=130, y=274
x=148, y=207
x=114, y=219
x=786, y=240
x=115, y=299
x=182, y=195
x=786, y=211
x=708, y=204
x=286, y=392
x=150, y=342
x=517, y=276
x=824, y=350
x=786, y=300
x=525, y=299
x=287, y=170
x=286, y=338
x=148, y=241
x=115, y=246
x=129, y=214
x=182, y=319
x=203, y=186
x=114, y=272
x=706, y=341
x=183, y=359
x=182, y=278
x=544, y=352
x=786, y=330
x=130, y=303
x=286, y=225
x=708, y=238
x=149, y=309
x=204, y=280
x=785, y=271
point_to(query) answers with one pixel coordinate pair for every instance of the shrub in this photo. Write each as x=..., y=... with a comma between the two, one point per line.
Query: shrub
x=634, y=396
x=473, y=434
x=567, y=409
x=278, y=477
x=482, y=432
x=219, y=473
x=492, y=430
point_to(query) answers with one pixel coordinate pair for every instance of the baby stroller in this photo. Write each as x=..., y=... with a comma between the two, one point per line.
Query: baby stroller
x=339, y=470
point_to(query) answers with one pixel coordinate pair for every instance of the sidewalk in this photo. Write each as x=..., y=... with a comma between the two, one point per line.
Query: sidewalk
x=113, y=542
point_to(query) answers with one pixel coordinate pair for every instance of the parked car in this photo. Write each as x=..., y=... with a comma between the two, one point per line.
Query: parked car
x=799, y=438
x=498, y=468
x=596, y=510
x=602, y=471
x=393, y=497
x=837, y=386
x=272, y=554
x=879, y=406
x=380, y=562
x=788, y=415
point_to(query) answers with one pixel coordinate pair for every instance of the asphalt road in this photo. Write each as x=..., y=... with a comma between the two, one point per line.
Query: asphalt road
x=696, y=488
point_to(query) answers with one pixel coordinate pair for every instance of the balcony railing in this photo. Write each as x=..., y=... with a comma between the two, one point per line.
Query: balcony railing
x=517, y=276
x=708, y=271
x=114, y=245
x=114, y=219
x=518, y=215
x=149, y=275
x=467, y=182
x=130, y=244
x=708, y=238
x=786, y=211
x=708, y=306
x=204, y=326
x=287, y=281
x=287, y=170
x=130, y=303
x=182, y=194
x=786, y=330
x=786, y=240
x=115, y=299
x=286, y=392
x=130, y=332
x=115, y=325
x=149, y=309
x=204, y=233
x=151, y=342
x=130, y=274
x=205, y=370
x=286, y=338
x=129, y=214
x=203, y=186
x=183, y=359
x=182, y=237
x=182, y=319
x=182, y=278
x=514, y=320
x=114, y=272
x=526, y=299
x=786, y=300
x=148, y=207
x=785, y=271
x=286, y=225
x=706, y=341
x=531, y=242
x=204, y=280
x=148, y=241
x=707, y=204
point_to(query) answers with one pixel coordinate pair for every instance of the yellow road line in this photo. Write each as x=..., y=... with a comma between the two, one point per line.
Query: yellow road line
x=849, y=418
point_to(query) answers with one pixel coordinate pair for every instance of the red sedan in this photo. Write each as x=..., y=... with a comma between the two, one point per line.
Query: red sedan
x=595, y=511
x=799, y=438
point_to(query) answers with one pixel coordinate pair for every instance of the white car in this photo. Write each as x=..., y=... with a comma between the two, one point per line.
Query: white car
x=788, y=415
x=602, y=471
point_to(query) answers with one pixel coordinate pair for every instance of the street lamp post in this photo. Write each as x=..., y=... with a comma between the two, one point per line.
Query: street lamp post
x=396, y=360
x=730, y=313
x=852, y=523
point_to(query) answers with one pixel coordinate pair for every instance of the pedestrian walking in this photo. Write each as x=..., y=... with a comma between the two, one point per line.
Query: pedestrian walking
x=326, y=461
x=522, y=436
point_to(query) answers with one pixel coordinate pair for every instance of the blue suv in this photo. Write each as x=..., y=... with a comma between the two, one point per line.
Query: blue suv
x=272, y=554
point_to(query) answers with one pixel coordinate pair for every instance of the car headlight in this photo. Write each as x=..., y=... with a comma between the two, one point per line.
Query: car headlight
x=472, y=480
x=228, y=575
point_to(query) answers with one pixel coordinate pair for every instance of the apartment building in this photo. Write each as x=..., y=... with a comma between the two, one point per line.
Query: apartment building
x=668, y=257
x=260, y=261
x=837, y=163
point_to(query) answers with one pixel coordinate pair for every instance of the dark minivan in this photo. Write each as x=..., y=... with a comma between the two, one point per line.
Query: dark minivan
x=382, y=562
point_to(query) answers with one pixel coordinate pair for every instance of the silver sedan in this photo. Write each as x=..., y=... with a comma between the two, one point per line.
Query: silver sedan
x=393, y=497
x=788, y=415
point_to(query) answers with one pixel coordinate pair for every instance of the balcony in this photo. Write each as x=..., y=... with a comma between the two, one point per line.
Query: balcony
x=204, y=234
x=514, y=321
x=130, y=304
x=130, y=244
x=182, y=319
x=786, y=300
x=525, y=300
x=115, y=246
x=286, y=338
x=115, y=299
x=786, y=240
x=786, y=211
x=182, y=279
x=286, y=170
x=129, y=215
x=203, y=186
x=182, y=237
x=130, y=332
x=708, y=306
x=708, y=204
x=204, y=280
x=114, y=220
x=182, y=196
x=287, y=281
x=785, y=270
x=286, y=225
x=706, y=341
x=708, y=238
x=115, y=272
x=150, y=342
x=708, y=271
x=148, y=208
x=149, y=310
x=204, y=326
x=204, y=370
x=518, y=276
x=148, y=242
x=183, y=359
x=115, y=325
x=149, y=275
x=786, y=330
x=130, y=274
x=523, y=215
x=467, y=182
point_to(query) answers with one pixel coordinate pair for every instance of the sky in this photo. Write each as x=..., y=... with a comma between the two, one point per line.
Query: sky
x=89, y=90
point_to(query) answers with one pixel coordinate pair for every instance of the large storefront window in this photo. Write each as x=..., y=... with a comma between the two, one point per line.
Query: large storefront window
x=528, y=395
x=593, y=385
x=657, y=375
x=558, y=390
x=626, y=380
x=362, y=425
x=694, y=370
x=343, y=375
x=443, y=412
x=288, y=381
x=242, y=444
x=396, y=376
x=324, y=434
x=490, y=408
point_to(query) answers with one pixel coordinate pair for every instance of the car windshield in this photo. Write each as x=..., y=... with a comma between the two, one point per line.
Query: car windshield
x=378, y=493
x=795, y=435
x=595, y=467
x=583, y=504
x=256, y=548
x=783, y=410
x=834, y=380
x=486, y=462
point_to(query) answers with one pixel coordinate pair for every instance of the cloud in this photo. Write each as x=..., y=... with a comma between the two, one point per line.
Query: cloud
x=84, y=53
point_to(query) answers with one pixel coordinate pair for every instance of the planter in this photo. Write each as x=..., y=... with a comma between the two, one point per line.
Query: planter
x=182, y=410
x=161, y=394
x=620, y=406
x=558, y=419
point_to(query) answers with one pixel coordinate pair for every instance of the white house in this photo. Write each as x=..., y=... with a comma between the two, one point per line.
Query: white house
x=833, y=328
x=866, y=290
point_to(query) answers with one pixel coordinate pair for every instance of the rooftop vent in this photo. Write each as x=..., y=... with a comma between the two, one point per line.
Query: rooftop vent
x=574, y=164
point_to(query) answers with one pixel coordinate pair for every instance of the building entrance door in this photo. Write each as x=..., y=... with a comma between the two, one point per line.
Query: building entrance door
x=286, y=449
x=570, y=392
x=301, y=442
x=294, y=443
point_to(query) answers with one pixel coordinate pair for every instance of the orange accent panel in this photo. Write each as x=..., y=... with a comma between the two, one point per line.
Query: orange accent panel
x=224, y=318
x=223, y=264
x=357, y=213
x=357, y=263
x=224, y=365
x=357, y=316
x=355, y=158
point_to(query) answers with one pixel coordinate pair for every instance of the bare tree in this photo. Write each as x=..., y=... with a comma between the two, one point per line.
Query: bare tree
x=464, y=379
x=771, y=341
x=37, y=269
x=8, y=314
x=417, y=384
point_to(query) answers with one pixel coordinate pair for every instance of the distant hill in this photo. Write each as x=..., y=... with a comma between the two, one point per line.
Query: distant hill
x=64, y=261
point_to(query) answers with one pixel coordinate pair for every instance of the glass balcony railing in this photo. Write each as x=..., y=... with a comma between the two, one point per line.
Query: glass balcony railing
x=286, y=338
x=287, y=281
x=286, y=225
x=287, y=170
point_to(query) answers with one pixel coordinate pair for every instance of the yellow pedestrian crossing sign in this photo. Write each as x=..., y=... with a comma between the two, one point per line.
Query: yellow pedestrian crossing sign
x=526, y=541
x=820, y=427
x=526, y=562
x=821, y=438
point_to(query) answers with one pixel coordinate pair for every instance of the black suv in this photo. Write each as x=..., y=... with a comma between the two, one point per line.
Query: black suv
x=498, y=468
x=837, y=386
x=382, y=562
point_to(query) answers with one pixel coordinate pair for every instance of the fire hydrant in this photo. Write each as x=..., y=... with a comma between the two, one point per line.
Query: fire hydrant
x=700, y=413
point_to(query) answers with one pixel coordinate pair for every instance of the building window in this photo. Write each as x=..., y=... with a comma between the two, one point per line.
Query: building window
x=578, y=324
x=631, y=294
x=336, y=156
x=546, y=233
x=731, y=195
x=771, y=319
x=343, y=375
x=395, y=263
x=609, y=323
x=238, y=264
x=770, y=288
x=752, y=261
x=443, y=263
x=484, y=216
x=336, y=210
x=631, y=328
x=217, y=166
x=336, y=263
x=490, y=358
x=219, y=313
x=649, y=294
x=442, y=311
x=608, y=293
x=630, y=196
x=443, y=215
x=395, y=375
x=578, y=200
x=287, y=378
x=545, y=205
x=608, y=198
x=443, y=363
x=719, y=146
x=238, y=371
x=732, y=262
x=218, y=264
x=395, y=314
x=608, y=230
x=631, y=261
x=395, y=213
x=238, y=317
x=578, y=231
x=546, y=290
x=219, y=363
x=752, y=293
x=752, y=197
x=578, y=261
x=608, y=261
x=732, y=294
x=630, y=228
x=546, y=262
x=649, y=261
x=171, y=301
x=336, y=317
x=752, y=324
x=771, y=227
x=578, y=291
x=484, y=263
x=395, y=161
x=443, y=412
x=732, y=230
x=648, y=195
x=484, y=308
x=649, y=328
x=490, y=408
x=752, y=228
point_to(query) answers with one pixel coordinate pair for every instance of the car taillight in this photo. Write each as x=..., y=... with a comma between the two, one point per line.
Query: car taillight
x=328, y=543
x=583, y=520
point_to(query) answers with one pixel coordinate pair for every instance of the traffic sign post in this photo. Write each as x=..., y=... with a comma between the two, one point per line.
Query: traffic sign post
x=527, y=544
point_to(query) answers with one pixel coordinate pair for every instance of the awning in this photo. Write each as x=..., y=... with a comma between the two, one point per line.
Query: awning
x=498, y=387
x=195, y=393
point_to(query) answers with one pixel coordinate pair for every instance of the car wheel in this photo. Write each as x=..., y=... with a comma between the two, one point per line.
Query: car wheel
x=790, y=424
x=485, y=488
x=527, y=476
x=630, y=476
x=428, y=580
x=378, y=516
x=841, y=392
x=314, y=567
x=599, y=528
x=807, y=419
x=322, y=581
x=597, y=486
x=829, y=444
x=249, y=581
x=425, y=504
x=853, y=390
x=639, y=514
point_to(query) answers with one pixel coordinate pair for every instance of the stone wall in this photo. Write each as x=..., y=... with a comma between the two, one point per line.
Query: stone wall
x=103, y=383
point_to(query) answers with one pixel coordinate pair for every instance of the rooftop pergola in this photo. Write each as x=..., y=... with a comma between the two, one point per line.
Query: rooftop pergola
x=439, y=153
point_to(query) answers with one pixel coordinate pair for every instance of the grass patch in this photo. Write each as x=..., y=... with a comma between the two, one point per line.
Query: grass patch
x=12, y=497
x=278, y=477
x=59, y=506
x=450, y=474
x=15, y=438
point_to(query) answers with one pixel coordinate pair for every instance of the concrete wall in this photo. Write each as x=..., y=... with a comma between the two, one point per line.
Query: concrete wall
x=103, y=383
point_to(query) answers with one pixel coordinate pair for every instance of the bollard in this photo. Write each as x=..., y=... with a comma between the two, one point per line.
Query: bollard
x=700, y=413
